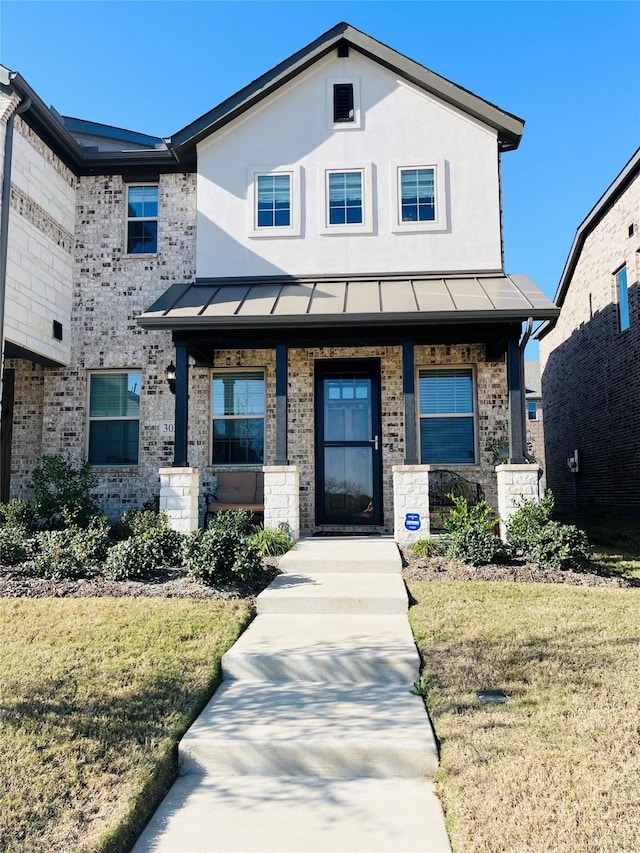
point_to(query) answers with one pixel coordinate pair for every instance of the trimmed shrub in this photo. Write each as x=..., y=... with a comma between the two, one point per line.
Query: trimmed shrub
x=70, y=553
x=63, y=492
x=471, y=538
x=14, y=545
x=222, y=554
x=136, y=522
x=19, y=513
x=141, y=556
x=271, y=541
x=534, y=535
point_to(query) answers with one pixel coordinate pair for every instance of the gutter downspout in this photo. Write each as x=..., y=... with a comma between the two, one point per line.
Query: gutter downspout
x=523, y=344
x=4, y=227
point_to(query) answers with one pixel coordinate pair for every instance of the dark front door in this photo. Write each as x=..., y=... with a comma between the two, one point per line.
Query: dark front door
x=348, y=442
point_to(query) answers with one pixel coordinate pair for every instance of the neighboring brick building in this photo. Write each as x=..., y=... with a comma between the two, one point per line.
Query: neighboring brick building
x=535, y=417
x=590, y=358
x=321, y=256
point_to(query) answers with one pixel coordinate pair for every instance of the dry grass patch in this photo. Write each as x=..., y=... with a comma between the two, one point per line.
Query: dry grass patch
x=556, y=768
x=94, y=693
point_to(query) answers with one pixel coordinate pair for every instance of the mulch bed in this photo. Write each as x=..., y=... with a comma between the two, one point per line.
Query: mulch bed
x=518, y=571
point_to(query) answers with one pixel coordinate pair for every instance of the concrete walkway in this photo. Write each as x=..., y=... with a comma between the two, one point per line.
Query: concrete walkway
x=313, y=742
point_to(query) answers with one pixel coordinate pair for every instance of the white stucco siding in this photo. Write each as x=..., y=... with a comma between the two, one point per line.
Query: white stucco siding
x=41, y=245
x=400, y=126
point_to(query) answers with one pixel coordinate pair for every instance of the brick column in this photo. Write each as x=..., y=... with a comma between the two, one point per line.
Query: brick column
x=515, y=484
x=410, y=502
x=179, y=489
x=282, y=498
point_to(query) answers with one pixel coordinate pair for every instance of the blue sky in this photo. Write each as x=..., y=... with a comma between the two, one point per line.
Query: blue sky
x=570, y=69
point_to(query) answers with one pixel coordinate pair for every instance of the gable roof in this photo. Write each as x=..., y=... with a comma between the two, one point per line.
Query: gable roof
x=508, y=126
x=606, y=201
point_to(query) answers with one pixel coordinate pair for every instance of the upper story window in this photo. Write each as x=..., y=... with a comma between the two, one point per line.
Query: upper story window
x=343, y=103
x=237, y=406
x=114, y=417
x=417, y=195
x=344, y=198
x=532, y=410
x=142, y=219
x=622, y=294
x=274, y=201
x=447, y=416
x=421, y=201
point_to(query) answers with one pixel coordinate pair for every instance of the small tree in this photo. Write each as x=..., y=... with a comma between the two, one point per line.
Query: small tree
x=63, y=492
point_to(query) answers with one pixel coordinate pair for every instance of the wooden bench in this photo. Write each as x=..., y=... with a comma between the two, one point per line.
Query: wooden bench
x=236, y=490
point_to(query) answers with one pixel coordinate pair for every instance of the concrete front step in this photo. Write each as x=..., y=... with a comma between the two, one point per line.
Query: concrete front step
x=331, y=731
x=332, y=648
x=281, y=815
x=332, y=592
x=343, y=554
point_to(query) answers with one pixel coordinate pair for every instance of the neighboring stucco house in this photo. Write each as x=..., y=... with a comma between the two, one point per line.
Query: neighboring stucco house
x=590, y=359
x=320, y=256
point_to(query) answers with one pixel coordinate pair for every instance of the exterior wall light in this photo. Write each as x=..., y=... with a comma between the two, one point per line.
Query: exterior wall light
x=170, y=376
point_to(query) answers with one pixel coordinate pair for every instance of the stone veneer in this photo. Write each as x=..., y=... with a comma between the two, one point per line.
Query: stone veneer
x=282, y=498
x=411, y=502
x=516, y=483
x=179, y=491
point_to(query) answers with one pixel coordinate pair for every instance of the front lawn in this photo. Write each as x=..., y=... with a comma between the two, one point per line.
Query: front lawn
x=615, y=540
x=556, y=768
x=94, y=694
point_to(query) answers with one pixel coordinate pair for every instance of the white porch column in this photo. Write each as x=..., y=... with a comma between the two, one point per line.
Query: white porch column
x=515, y=484
x=179, y=488
x=282, y=498
x=411, y=502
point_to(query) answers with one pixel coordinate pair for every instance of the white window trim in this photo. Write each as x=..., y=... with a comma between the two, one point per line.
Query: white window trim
x=90, y=420
x=440, y=223
x=213, y=372
x=128, y=219
x=294, y=228
x=419, y=417
x=364, y=227
x=356, y=124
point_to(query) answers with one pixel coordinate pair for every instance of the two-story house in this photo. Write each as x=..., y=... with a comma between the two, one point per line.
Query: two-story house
x=319, y=259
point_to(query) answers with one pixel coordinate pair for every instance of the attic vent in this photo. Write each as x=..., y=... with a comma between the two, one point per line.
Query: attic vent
x=343, y=102
x=343, y=49
x=57, y=330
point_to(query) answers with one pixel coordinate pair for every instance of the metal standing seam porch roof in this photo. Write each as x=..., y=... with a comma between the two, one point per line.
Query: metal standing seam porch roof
x=334, y=301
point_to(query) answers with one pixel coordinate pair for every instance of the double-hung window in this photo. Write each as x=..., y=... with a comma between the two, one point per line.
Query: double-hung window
x=142, y=219
x=447, y=416
x=532, y=410
x=114, y=417
x=238, y=403
x=273, y=201
x=345, y=198
x=622, y=294
x=417, y=195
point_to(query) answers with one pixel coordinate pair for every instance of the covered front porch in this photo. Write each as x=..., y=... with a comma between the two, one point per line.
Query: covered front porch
x=359, y=405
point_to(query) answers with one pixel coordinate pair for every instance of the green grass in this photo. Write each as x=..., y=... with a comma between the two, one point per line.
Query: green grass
x=615, y=540
x=94, y=694
x=556, y=768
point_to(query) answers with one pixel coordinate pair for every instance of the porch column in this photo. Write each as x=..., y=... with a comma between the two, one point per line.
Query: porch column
x=409, y=396
x=282, y=356
x=282, y=498
x=516, y=483
x=179, y=488
x=411, y=502
x=181, y=406
x=516, y=403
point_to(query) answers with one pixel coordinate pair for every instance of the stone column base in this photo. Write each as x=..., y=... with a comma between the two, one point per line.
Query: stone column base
x=179, y=489
x=516, y=483
x=282, y=498
x=411, y=503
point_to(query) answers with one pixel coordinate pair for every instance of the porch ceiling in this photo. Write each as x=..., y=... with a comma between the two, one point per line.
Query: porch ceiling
x=383, y=300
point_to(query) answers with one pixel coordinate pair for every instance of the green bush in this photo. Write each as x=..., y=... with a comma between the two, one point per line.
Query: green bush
x=223, y=554
x=70, y=553
x=14, y=545
x=271, y=541
x=19, y=513
x=534, y=535
x=63, y=492
x=142, y=555
x=135, y=522
x=471, y=538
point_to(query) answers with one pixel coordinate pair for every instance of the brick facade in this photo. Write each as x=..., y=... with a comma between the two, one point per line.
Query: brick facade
x=591, y=370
